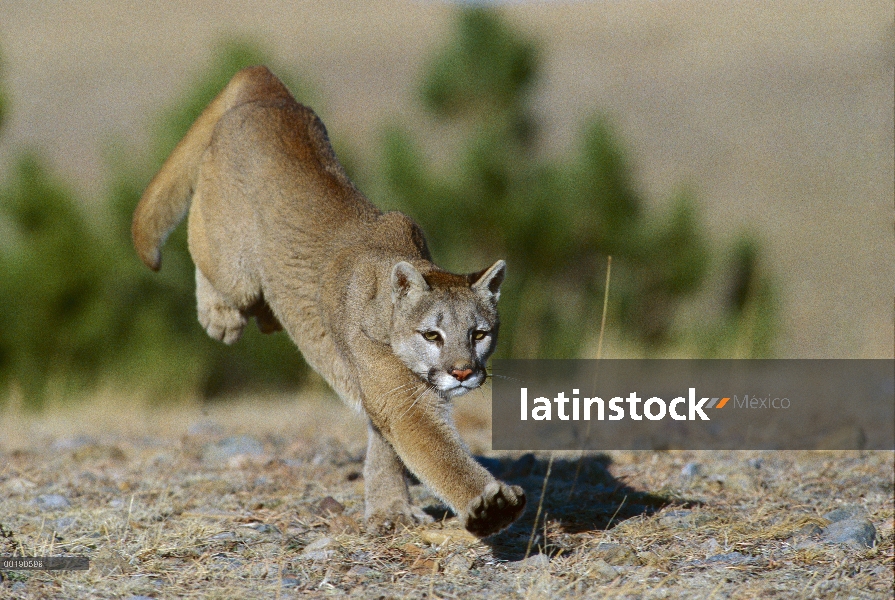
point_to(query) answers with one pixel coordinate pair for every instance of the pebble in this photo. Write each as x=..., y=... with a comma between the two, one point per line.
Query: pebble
x=729, y=558
x=535, y=561
x=262, y=527
x=205, y=428
x=683, y=519
x=52, y=502
x=616, y=554
x=233, y=446
x=603, y=570
x=756, y=463
x=692, y=469
x=330, y=506
x=63, y=523
x=18, y=486
x=724, y=560
x=457, y=565
x=322, y=549
x=74, y=443
x=852, y=532
x=437, y=537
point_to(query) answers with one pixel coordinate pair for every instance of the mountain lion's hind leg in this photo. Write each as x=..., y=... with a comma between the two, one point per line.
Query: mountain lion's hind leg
x=387, y=500
x=222, y=321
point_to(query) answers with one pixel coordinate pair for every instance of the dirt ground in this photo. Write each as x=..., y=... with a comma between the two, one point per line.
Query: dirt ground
x=264, y=498
x=779, y=116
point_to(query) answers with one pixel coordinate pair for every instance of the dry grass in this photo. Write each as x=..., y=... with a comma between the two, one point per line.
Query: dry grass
x=163, y=510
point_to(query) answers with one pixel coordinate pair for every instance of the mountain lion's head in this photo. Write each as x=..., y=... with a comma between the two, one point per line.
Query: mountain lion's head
x=444, y=326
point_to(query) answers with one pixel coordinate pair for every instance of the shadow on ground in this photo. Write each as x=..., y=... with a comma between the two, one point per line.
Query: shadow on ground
x=581, y=496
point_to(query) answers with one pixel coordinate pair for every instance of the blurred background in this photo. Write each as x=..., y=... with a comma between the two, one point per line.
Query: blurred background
x=735, y=160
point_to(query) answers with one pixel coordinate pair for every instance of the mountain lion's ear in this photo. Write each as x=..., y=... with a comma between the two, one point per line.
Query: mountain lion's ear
x=406, y=280
x=488, y=283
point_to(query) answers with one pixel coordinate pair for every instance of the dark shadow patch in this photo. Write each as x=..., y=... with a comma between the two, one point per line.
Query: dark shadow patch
x=581, y=496
x=439, y=512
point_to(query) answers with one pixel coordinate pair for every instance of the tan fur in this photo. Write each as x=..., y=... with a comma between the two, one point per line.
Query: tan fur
x=278, y=232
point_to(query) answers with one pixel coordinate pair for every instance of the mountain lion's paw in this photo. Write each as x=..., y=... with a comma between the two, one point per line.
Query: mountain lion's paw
x=498, y=506
x=393, y=519
x=223, y=323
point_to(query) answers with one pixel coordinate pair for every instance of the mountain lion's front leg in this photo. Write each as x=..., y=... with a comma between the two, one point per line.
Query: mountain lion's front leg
x=412, y=418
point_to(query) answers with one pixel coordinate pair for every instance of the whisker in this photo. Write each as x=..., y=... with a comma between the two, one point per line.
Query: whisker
x=396, y=390
x=415, y=400
x=492, y=375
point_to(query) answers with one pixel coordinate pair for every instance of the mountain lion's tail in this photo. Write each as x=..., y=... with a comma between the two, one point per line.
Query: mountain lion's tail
x=167, y=198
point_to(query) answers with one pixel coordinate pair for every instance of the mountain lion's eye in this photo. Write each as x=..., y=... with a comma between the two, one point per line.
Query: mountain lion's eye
x=479, y=335
x=432, y=336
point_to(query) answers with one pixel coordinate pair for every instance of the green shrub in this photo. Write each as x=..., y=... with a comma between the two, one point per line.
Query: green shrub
x=81, y=310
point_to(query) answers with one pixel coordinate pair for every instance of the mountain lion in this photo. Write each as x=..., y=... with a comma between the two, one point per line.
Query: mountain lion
x=279, y=233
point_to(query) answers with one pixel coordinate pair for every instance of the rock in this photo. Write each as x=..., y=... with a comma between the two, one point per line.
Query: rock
x=359, y=571
x=232, y=447
x=859, y=533
x=437, y=537
x=205, y=428
x=63, y=523
x=710, y=546
x=692, y=469
x=846, y=512
x=330, y=506
x=290, y=582
x=536, y=561
x=457, y=565
x=729, y=558
x=683, y=519
x=602, y=570
x=616, y=554
x=323, y=549
x=52, y=502
x=18, y=486
x=74, y=443
x=806, y=531
x=262, y=527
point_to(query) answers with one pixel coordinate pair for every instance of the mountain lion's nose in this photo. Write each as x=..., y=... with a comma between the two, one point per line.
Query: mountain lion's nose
x=461, y=374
